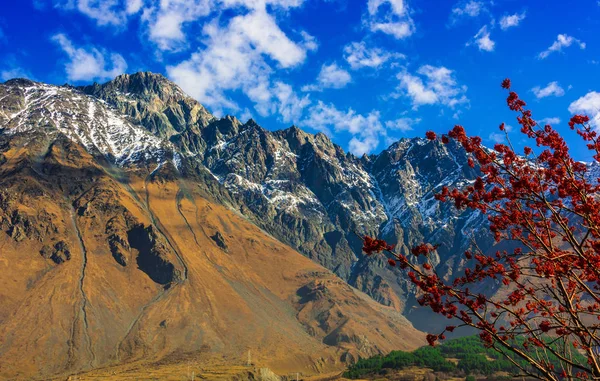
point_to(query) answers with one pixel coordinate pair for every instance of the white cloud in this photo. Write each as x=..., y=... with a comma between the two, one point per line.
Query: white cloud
x=330, y=77
x=366, y=130
x=589, y=105
x=399, y=30
x=309, y=42
x=390, y=17
x=164, y=20
x=358, y=56
x=482, y=40
x=104, y=12
x=15, y=72
x=235, y=58
x=283, y=101
x=88, y=64
x=263, y=33
x=499, y=137
x=397, y=6
x=562, y=41
x=552, y=89
x=510, y=21
x=469, y=8
x=133, y=6
x=433, y=85
x=551, y=121
x=402, y=124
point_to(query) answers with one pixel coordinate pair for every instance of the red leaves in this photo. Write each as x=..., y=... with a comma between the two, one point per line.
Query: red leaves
x=549, y=285
x=372, y=245
x=432, y=339
x=423, y=249
x=514, y=103
x=545, y=326
x=578, y=119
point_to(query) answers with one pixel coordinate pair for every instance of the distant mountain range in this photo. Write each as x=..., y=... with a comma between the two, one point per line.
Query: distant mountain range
x=139, y=226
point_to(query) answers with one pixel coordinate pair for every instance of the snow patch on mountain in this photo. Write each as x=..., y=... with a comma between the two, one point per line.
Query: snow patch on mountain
x=85, y=120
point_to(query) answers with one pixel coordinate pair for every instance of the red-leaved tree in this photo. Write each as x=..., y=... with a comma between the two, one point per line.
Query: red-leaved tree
x=544, y=315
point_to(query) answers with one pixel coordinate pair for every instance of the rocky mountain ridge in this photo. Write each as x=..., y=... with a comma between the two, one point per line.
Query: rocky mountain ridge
x=116, y=248
x=301, y=188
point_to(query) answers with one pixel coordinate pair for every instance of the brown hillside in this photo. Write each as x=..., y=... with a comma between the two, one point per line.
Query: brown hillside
x=102, y=266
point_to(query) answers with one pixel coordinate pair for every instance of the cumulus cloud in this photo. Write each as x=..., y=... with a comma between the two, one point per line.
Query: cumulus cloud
x=562, y=41
x=358, y=56
x=235, y=58
x=402, y=124
x=104, y=12
x=551, y=121
x=499, y=137
x=133, y=6
x=309, y=42
x=589, y=105
x=366, y=130
x=165, y=20
x=330, y=77
x=510, y=21
x=390, y=17
x=15, y=72
x=464, y=9
x=432, y=85
x=482, y=40
x=89, y=63
x=552, y=89
x=282, y=100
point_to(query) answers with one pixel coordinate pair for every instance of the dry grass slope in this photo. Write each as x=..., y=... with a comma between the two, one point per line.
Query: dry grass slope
x=213, y=287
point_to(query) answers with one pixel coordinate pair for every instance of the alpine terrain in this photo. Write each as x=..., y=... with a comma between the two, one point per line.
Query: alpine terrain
x=136, y=226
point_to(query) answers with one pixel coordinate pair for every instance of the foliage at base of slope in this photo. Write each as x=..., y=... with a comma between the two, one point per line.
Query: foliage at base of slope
x=466, y=355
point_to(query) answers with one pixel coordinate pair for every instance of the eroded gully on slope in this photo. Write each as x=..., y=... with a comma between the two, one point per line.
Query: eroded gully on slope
x=37, y=168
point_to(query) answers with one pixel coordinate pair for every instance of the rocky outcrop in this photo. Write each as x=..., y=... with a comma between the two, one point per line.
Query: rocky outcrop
x=220, y=240
x=20, y=224
x=157, y=104
x=153, y=255
x=58, y=253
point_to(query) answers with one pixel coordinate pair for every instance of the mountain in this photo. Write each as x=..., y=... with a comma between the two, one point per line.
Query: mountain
x=139, y=226
x=124, y=239
x=306, y=191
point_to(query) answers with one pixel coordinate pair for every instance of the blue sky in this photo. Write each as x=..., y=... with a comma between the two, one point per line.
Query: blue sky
x=366, y=72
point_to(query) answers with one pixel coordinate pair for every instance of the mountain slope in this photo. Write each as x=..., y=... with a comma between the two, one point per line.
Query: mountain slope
x=115, y=247
x=301, y=188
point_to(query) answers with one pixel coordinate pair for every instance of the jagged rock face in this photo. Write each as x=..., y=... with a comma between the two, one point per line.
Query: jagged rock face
x=32, y=108
x=114, y=248
x=307, y=192
x=300, y=187
x=158, y=105
x=58, y=253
